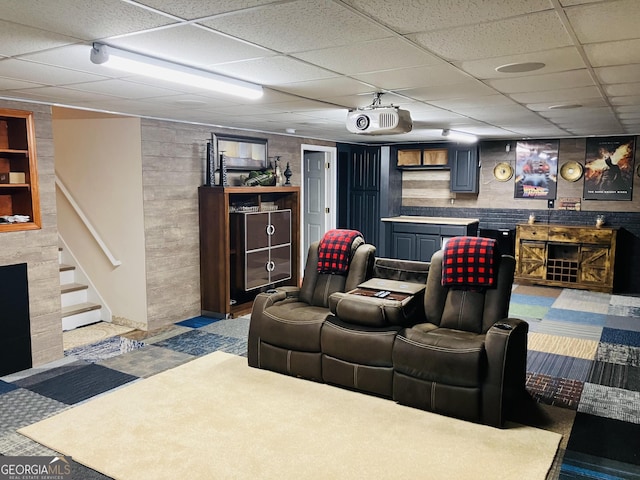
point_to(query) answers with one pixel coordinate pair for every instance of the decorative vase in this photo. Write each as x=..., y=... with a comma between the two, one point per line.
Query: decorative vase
x=287, y=174
x=278, y=171
x=223, y=171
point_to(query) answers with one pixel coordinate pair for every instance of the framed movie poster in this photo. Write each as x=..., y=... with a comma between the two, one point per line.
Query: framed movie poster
x=536, y=169
x=608, y=173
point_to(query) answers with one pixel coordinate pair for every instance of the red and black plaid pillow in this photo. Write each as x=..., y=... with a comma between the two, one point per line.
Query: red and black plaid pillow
x=334, y=251
x=469, y=261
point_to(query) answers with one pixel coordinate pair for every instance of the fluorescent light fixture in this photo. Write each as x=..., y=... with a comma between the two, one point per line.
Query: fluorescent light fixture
x=459, y=136
x=172, y=72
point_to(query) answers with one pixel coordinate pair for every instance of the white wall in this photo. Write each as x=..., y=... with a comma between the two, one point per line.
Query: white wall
x=98, y=158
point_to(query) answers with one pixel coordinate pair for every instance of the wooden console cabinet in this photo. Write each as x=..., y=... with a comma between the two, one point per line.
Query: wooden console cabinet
x=566, y=256
x=249, y=241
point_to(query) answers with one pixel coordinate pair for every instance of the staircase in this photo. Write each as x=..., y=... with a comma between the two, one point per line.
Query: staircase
x=78, y=309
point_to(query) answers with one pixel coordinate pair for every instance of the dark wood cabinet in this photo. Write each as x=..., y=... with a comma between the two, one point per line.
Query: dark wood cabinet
x=249, y=241
x=566, y=256
x=463, y=162
x=19, y=197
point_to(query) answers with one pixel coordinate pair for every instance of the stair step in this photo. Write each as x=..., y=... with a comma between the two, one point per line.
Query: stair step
x=72, y=287
x=80, y=308
x=65, y=268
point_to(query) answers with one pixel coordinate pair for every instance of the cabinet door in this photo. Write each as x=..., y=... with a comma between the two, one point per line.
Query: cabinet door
x=426, y=246
x=403, y=246
x=464, y=169
x=256, y=272
x=280, y=263
x=280, y=229
x=595, y=265
x=256, y=230
x=531, y=259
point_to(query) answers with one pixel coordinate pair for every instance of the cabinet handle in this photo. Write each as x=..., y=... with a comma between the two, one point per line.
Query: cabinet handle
x=271, y=229
x=271, y=266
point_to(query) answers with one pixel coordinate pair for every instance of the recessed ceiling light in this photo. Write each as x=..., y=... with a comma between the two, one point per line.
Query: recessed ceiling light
x=520, y=67
x=565, y=106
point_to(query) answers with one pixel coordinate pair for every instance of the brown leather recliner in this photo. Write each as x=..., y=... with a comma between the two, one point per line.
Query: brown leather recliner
x=284, y=333
x=467, y=359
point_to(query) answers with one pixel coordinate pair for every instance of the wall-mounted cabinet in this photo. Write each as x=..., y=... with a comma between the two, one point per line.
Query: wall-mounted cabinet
x=463, y=161
x=19, y=198
x=566, y=256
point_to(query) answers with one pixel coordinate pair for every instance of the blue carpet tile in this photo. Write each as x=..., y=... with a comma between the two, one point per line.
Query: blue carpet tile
x=604, y=437
x=6, y=387
x=197, y=322
x=558, y=365
x=51, y=373
x=532, y=300
x=104, y=349
x=583, y=318
x=193, y=342
x=586, y=467
x=87, y=381
x=622, y=337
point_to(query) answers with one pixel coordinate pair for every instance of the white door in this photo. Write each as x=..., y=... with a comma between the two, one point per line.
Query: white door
x=318, y=194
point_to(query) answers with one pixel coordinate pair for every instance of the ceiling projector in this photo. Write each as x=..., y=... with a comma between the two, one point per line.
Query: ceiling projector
x=379, y=120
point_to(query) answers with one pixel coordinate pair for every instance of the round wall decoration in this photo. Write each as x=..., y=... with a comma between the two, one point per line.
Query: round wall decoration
x=503, y=171
x=571, y=171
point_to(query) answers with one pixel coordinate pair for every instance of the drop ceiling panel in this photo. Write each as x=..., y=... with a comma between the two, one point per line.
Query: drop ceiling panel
x=468, y=89
x=556, y=96
x=190, y=45
x=30, y=71
x=623, y=52
x=505, y=37
x=192, y=9
x=373, y=56
x=82, y=19
x=619, y=73
x=443, y=15
x=122, y=89
x=18, y=39
x=622, y=21
x=320, y=24
x=623, y=89
x=538, y=83
x=415, y=77
x=324, y=89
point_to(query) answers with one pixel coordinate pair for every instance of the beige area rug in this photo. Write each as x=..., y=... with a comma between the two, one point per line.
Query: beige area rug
x=91, y=334
x=217, y=418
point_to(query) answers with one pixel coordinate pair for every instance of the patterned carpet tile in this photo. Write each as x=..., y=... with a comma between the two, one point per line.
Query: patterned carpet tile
x=610, y=402
x=568, y=329
x=624, y=311
x=571, y=347
x=88, y=381
x=22, y=407
x=537, y=291
x=61, y=362
x=197, y=322
x=41, y=376
x=232, y=327
x=583, y=301
x=147, y=361
x=580, y=466
x=621, y=354
x=157, y=335
x=560, y=366
x=615, y=375
x=574, y=316
x=605, y=437
x=559, y=392
x=519, y=310
x=104, y=349
x=625, y=300
x=14, y=444
x=193, y=342
x=622, y=337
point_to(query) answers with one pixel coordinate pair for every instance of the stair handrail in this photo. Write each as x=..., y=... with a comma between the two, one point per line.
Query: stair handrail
x=96, y=236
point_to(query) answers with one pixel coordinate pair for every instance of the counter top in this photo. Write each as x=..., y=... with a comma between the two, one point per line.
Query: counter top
x=432, y=220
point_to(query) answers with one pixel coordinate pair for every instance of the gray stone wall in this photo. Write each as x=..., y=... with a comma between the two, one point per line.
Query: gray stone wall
x=39, y=248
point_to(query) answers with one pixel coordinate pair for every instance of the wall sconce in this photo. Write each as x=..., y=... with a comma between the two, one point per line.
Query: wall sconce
x=459, y=136
x=152, y=67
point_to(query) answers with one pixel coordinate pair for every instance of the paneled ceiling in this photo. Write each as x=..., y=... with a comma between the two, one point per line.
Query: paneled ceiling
x=318, y=58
